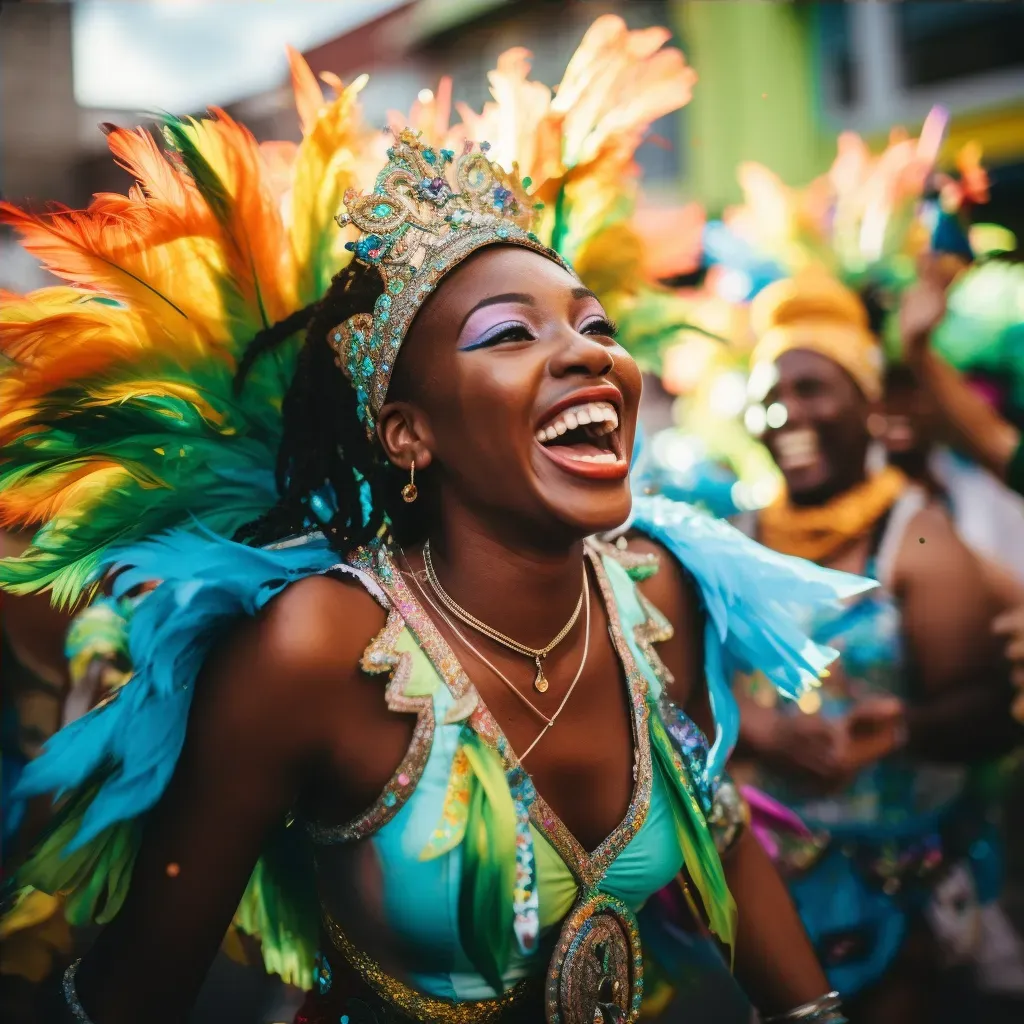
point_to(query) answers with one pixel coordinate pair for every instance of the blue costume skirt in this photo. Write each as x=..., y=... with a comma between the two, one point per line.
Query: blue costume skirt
x=862, y=892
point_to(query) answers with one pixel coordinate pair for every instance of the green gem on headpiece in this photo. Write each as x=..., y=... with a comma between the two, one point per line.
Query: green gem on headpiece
x=427, y=212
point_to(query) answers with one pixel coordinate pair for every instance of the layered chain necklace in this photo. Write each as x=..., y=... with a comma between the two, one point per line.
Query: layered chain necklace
x=538, y=654
x=548, y=722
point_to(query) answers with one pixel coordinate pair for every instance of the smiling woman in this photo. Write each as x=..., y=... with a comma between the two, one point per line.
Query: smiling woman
x=330, y=739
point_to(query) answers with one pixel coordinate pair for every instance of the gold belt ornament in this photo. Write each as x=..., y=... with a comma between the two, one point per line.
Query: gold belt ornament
x=595, y=975
x=418, y=1006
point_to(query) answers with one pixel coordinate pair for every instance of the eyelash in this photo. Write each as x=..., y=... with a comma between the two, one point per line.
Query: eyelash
x=606, y=328
x=517, y=332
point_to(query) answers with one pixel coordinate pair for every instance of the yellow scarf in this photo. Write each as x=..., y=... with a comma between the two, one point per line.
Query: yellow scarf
x=820, y=532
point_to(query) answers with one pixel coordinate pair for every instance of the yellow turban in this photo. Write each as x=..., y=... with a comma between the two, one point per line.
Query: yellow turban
x=814, y=311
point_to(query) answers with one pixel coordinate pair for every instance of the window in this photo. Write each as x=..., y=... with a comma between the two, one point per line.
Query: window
x=881, y=64
x=835, y=50
x=944, y=41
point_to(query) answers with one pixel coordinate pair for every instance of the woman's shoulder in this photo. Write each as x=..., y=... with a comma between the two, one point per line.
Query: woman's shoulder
x=289, y=668
x=924, y=538
x=662, y=579
x=323, y=619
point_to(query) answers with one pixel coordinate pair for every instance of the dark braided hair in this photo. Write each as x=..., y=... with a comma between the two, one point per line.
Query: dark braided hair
x=324, y=447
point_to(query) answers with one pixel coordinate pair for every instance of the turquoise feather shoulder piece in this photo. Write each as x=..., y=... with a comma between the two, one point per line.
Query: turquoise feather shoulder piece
x=752, y=597
x=205, y=582
x=114, y=763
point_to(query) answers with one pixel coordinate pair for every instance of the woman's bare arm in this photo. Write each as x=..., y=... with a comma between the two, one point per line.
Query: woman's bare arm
x=264, y=718
x=948, y=607
x=973, y=423
x=775, y=962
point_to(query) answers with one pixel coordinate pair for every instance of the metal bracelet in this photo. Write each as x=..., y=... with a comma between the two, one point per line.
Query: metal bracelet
x=826, y=1009
x=729, y=816
x=71, y=995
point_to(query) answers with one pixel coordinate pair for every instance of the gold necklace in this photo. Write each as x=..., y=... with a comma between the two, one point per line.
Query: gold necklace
x=538, y=654
x=548, y=722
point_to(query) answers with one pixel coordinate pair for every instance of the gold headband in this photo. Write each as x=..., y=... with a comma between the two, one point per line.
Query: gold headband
x=427, y=212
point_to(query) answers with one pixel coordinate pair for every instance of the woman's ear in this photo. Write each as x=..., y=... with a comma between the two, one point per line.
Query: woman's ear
x=405, y=435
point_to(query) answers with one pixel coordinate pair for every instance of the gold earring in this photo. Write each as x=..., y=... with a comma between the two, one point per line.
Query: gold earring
x=409, y=491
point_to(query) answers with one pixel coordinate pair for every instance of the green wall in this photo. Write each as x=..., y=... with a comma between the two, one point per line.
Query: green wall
x=755, y=99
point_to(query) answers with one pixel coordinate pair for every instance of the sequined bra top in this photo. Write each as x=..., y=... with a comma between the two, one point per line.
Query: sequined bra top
x=391, y=881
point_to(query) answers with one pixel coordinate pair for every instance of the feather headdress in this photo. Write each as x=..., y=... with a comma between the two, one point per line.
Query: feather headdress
x=117, y=415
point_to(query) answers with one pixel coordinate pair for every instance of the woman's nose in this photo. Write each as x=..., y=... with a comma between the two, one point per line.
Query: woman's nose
x=582, y=355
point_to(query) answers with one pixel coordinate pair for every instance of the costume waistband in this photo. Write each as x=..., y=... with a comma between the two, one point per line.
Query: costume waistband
x=400, y=1003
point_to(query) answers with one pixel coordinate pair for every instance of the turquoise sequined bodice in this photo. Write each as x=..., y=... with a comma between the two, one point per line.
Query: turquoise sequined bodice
x=407, y=855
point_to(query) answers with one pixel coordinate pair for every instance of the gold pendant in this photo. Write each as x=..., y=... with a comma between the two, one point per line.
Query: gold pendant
x=540, y=683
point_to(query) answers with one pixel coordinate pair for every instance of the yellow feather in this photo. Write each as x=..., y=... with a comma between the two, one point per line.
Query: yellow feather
x=127, y=391
x=337, y=152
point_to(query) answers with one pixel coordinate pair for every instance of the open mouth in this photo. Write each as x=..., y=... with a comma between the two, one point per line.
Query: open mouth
x=584, y=438
x=796, y=449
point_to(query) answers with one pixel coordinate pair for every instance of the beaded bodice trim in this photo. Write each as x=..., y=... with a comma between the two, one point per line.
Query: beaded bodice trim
x=587, y=867
x=379, y=657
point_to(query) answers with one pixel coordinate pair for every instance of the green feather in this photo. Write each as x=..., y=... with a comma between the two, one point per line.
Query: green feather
x=280, y=907
x=561, y=225
x=95, y=877
x=699, y=853
x=180, y=468
x=488, y=865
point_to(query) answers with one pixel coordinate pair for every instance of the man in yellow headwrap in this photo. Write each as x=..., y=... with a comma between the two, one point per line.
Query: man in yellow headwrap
x=917, y=680
x=814, y=313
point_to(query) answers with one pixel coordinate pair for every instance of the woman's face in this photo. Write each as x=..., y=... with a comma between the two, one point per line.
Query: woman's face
x=909, y=420
x=822, y=442
x=512, y=388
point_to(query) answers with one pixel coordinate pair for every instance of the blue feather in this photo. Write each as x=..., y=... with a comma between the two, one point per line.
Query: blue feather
x=206, y=582
x=754, y=599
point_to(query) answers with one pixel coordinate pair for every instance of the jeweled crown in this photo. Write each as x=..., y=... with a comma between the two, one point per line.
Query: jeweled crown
x=429, y=210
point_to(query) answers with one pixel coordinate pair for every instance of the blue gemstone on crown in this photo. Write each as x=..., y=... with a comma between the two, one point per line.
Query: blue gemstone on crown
x=502, y=196
x=370, y=248
x=436, y=190
x=383, y=210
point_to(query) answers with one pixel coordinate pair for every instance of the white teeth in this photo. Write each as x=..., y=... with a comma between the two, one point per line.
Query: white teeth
x=550, y=434
x=601, y=417
x=797, y=449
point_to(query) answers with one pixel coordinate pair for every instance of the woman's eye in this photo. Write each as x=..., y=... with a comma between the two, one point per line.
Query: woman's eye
x=508, y=332
x=602, y=328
